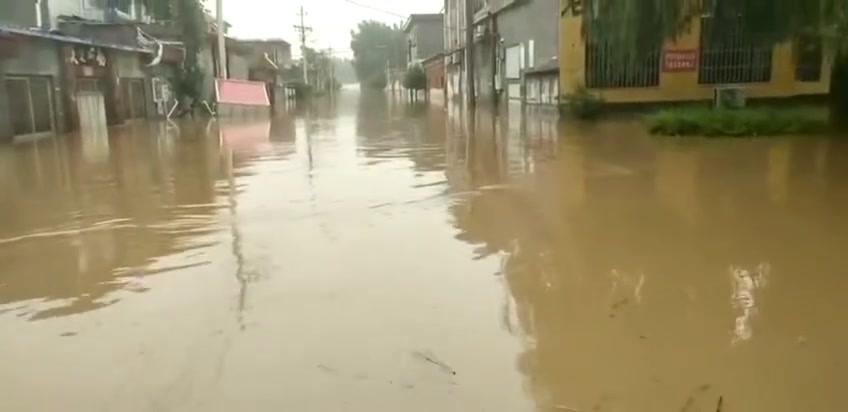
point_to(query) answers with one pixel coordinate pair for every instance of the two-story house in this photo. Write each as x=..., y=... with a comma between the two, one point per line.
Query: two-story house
x=424, y=36
x=43, y=67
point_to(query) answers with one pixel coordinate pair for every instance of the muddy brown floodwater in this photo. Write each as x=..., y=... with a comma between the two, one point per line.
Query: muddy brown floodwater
x=368, y=256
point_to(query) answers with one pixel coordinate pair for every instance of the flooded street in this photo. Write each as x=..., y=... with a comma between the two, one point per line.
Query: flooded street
x=370, y=256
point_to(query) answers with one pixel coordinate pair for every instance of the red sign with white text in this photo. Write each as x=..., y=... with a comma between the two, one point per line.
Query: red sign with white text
x=680, y=60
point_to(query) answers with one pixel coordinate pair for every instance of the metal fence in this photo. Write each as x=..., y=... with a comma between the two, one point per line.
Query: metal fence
x=606, y=69
x=729, y=54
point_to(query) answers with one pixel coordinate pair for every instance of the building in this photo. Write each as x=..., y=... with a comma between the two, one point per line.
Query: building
x=454, y=38
x=424, y=36
x=691, y=67
x=42, y=68
x=511, y=39
x=434, y=67
x=526, y=34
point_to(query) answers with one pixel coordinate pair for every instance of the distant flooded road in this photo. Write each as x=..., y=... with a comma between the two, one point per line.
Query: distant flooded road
x=370, y=256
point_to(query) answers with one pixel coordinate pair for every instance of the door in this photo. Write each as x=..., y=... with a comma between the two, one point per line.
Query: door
x=134, y=98
x=30, y=104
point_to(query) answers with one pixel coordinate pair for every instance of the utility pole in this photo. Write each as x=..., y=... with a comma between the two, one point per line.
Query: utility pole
x=303, y=30
x=332, y=75
x=222, y=48
x=469, y=53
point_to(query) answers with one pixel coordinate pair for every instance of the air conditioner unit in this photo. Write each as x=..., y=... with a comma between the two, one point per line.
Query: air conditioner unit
x=729, y=97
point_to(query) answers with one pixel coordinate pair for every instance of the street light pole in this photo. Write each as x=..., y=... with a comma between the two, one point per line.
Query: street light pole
x=222, y=47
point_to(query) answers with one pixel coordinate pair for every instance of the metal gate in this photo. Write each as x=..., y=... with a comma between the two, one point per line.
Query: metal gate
x=31, y=104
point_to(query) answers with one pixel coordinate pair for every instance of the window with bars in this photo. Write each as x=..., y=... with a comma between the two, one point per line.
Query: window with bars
x=729, y=54
x=809, y=55
x=30, y=103
x=604, y=70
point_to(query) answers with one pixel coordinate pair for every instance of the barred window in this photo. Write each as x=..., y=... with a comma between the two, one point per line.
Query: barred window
x=730, y=55
x=603, y=70
x=808, y=58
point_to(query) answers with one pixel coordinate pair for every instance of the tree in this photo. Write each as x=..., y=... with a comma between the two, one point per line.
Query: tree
x=637, y=26
x=415, y=78
x=376, y=47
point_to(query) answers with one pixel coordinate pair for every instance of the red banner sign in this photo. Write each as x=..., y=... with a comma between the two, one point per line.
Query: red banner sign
x=241, y=92
x=680, y=60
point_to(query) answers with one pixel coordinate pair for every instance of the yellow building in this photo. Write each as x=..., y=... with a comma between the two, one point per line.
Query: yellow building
x=691, y=67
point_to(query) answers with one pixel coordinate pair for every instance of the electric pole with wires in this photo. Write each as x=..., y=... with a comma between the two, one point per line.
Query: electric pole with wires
x=303, y=29
x=469, y=53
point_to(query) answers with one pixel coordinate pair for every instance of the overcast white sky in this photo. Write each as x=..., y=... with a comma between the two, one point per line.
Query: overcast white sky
x=331, y=20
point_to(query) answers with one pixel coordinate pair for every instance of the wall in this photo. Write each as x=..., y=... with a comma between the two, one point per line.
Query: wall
x=682, y=86
x=435, y=73
x=130, y=65
x=429, y=38
x=534, y=19
x=18, y=12
x=238, y=67
x=5, y=123
x=41, y=58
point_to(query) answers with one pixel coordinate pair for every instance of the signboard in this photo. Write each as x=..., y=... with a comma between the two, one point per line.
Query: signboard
x=241, y=92
x=680, y=60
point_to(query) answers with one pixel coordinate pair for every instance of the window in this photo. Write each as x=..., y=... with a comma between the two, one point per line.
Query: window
x=30, y=103
x=89, y=84
x=808, y=59
x=731, y=55
x=605, y=70
x=513, y=62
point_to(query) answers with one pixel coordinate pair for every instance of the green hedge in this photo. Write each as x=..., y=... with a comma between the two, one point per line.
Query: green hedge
x=749, y=121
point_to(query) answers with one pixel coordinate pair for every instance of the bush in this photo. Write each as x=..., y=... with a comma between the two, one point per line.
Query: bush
x=750, y=121
x=583, y=104
x=415, y=78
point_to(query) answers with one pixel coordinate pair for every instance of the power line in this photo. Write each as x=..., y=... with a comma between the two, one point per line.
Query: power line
x=377, y=9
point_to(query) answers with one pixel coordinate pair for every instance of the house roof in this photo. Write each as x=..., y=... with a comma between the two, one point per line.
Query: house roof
x=264, y=41
x=551, y=66
x=419, y=18
x=59, y=37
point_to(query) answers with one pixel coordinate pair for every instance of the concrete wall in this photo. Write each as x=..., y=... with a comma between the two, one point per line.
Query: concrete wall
x=36, y=57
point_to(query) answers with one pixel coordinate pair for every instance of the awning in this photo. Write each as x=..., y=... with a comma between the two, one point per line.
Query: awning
x=55, y=36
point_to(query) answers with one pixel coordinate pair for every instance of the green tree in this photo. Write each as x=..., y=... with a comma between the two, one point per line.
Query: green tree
x=190, y=18
x=415, y=78
x=636, y=26
x=376, y=46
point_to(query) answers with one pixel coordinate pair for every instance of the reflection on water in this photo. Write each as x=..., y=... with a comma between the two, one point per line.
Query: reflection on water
x=539, y=265
x=745, y=284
